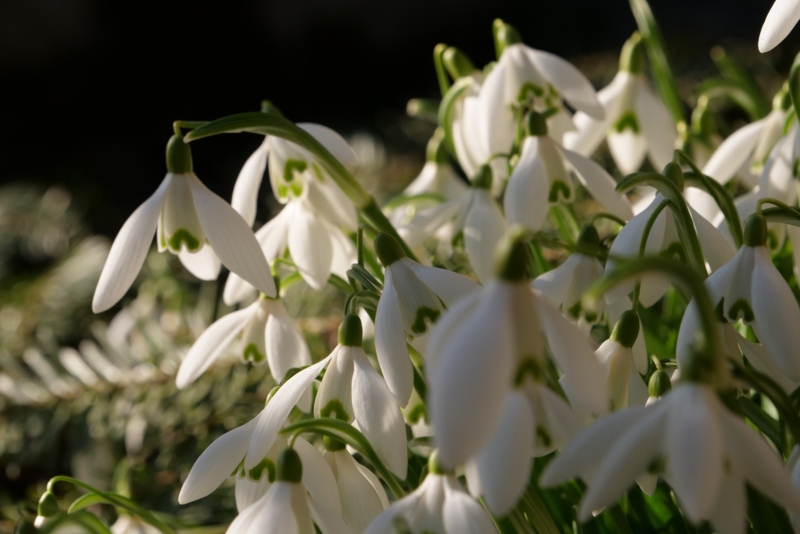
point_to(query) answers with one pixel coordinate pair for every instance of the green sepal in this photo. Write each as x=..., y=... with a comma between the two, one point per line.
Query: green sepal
x=627, y=329
x=504, y=36
x=179, y=156
x=457, y=63
x=755, y=231
x=388, y=249
x=537, y=124
x=290, y=468
x=351, y=331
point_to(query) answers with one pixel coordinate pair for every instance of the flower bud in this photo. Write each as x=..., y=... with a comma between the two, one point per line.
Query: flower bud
x=659, y=384
x=588, y=241
x=627, y=329
x=483, y=178
x=48, y=504
x=511, y=259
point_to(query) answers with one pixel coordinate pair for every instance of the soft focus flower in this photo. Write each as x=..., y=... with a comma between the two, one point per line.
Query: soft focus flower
x=187, y=218
x=779, y=22
x=625, y=385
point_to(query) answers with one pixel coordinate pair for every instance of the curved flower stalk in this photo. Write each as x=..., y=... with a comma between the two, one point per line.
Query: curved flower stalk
x=269, y=335
x=189, y=221
x=709, y=455
x=542, y=178
x=438, y=506
x=291, y=169
x=413, y=296
x=491, y=341
x=781, y=19
x=316, y=244
x=636, y=123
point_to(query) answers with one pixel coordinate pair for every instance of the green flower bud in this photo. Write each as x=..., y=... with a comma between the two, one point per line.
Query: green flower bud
x=627, y=329
x=290, y=468
x=350, y=331
x=388, y=249
x=755, y=231
x=179, y=156
x=457, y=63
x=659, y=384
x=48, y=504
x=504, y=35
x=588, y=241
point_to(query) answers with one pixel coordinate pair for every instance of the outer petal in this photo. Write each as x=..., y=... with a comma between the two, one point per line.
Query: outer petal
x=318, y=477
x=600, y=184
x=286, y=347
x=461, y=514
x=390, y=344
x=591, y=132
x=779, y=22
x=231, y=237
x=210, y=345
x=446, y=330
x=204, y=263
x=479, y=358
x=384, y=523
x=271, y=515
x=332, y=141
x=728, y=515
x=716, y=249
x=378, y=415
x=129, y=250
x=484, y=227
x=733, y=153
x=360, y=502
x=657, y=126
x=274, y=414
x=526, y=198
x=505, y=462
x=216, y=463
x=245, y=190
x=311, y=248
x=447, y=285
x=777, y=315
x=569, y=81
x=628, y=150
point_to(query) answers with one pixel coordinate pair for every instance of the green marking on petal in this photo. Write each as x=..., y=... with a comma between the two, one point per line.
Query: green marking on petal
x=335, y=410
x=543, y=437
x=257, y=473
x=528, y=89
x=296, y=188
x=528, y=367
x=741, y=309
x=575, y=311
x=183, y=236
x=251, y=353
x=628, y=121
x=420, y=326
x=239, y=469
x=418, y=413
x=292, y=166
x=559, y=189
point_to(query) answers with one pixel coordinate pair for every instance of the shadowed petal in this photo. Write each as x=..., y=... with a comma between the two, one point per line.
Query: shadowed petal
x=779, y=22
x=204, y=263
x=245, y=190
x=569, y=81
x=390, y=344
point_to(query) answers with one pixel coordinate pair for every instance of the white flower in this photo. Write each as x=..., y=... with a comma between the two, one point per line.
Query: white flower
x=269, y=335
x=542, y=177
x=188, y=218
x=438, y=506
x=363, y=496
x=625, y=385
x=636, y=121
x=708, y=453
x=413, y=296
x=779, y=22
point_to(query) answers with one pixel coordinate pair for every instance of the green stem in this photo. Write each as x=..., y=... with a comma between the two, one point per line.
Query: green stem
x=609, y=216
x=642, y=248
x=441, y=72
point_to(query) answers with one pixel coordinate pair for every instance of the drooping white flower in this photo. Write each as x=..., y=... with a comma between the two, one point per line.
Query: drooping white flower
x=707, y=452
x=486, y=340
x=413, y=296
x=269, y=335
x=636, y=121
x=625, y=385
x=188, y=219
x=782, y=17
x=363, y=496
x=438, y=506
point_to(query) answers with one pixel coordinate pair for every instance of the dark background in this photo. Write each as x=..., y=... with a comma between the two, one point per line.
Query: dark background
x=91, y=87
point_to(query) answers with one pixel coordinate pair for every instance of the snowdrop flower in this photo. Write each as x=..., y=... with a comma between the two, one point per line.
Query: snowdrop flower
x=413, y=296
x=625, y=386
x=438, y=506
x=189, y=220
x=288, y=507
x=782, y=17
x=486, y=340
x=565, y=285
x=269, y=335
x=363, y=496
x=751, y=289
x=316, y=243
x=707, y=452
x=636, y=122
x=542, y=178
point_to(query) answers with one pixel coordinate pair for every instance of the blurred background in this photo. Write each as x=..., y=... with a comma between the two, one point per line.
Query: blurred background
x=92, y=89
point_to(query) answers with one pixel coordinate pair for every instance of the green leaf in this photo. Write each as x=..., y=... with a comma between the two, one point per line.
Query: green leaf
x=723, y=199
x=735, y=92
x=84, y=501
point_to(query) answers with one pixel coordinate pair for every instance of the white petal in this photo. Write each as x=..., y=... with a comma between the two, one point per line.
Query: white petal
x=446, y=329
x=728, y=515
x=328, y=521
x=286, y=347
x=526, y=197
x=556, y=423
x=734, y=152
x=274, y=414
x=245, y=190
x=777, y=315
x=479, y=359
x=569, y=81
x=311, y=248
x=216, y=463
x=505, y=462
x=390, y=344
x=210, y=344
x=247, y=490
x=204, y=263
x=332, y=141
x=447, y=285
x=600, y=184
x=628, y=150
x=336, y=385
x=272, y=513
x=779, y=22
x=461, y=514
x=591, y=132
x=318, y=477
x=332, y=204
x=232, y=239
x=344, y=252
x=657, y=126
x=129, y=250
x=717, y=251
x=694, y=442
x=484, y=227
x=360, y=502
x=378, y=415
x=376, y=485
